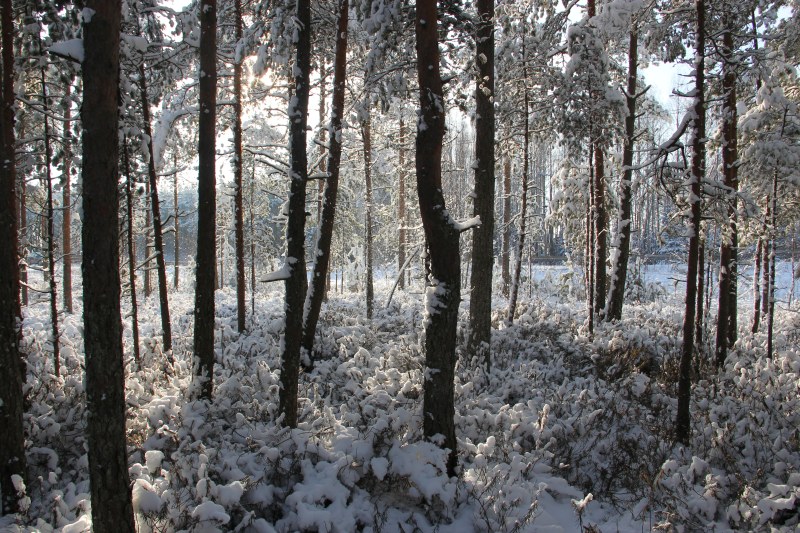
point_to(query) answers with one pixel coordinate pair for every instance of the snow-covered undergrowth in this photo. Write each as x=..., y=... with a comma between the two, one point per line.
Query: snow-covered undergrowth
x=565, y=431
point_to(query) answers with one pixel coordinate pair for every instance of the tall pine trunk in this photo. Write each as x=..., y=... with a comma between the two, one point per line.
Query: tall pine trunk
x=176, y=224
x=726, y=308
x=619, y=267
x=158, y=239
x=12, y=376
x=401, y=206
x=50, y=234
x=205, y=271
x=295, y=227
x=112, y=510
x=131, y=245
x=322, y=253
x=238, y=208
x=66, y=202
x=523, y=222
x=480, y=306
x=683, y=418
x=444, y=292
x=506, y=259
x=366, y=133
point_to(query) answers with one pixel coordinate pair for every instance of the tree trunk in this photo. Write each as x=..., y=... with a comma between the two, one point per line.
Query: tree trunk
x=237, y=176
x=401, y=205
x=131, y=252
x=252, y=245
x=50, y=234
x=756, y=285
x=480, y=306
x=12, y=367
x=66, y=203
x=699, y=316
x=205, y=271
x=176, y=224
x=726, y=308
x=155, y=205
x=619, y=267
x=506, y=259
x=112, y=510
x=22, y=245
x=512, y=301
x=773, y=259
x=366, y=134
x=599, y=222
x=444, y=293
x=683, y=419
x=295, y=227
x=148, y=247
x=322, y=253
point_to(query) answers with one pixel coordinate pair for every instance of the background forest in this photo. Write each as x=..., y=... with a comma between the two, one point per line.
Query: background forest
x=383, y=265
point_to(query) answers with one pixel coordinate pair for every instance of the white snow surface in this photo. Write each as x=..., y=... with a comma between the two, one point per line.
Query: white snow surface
x=560, y=416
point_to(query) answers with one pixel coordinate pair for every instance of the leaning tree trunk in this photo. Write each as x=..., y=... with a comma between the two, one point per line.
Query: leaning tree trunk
x=158, y=239
x=112, y=510
x=237, y=175
x=295, y=227
x=619, y=268
x=66, y=201
x=131, y=252
x=480, y=304
x=682, y=419
x=726, y=308
x=444, y=293
x=206, y=268
x=50, y=236
x=322, y=253
x=366, y=133
x=12, y=436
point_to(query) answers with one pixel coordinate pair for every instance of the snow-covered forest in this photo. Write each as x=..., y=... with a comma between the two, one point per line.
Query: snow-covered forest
x=395, y=265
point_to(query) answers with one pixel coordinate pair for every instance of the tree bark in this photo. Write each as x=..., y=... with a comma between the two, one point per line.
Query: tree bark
x=158, y=240
x=757, y=285
x=600, y=233
x=205, y=271
x=619, y=268
x=366, y=134
x=683, y=419
x=444, y=292
x=401, y=205
x=66, y=203
x=726, y=308
x=512, y=301
x=773, y=259
x=237, y=176
x=480, y=306
x=322, y=253
x=506, y=259
x=112, y=510
x=50, y=234
x=148, y=248
x=12, y=367
x=295, y=228
x=176, y=224
x=131, y=252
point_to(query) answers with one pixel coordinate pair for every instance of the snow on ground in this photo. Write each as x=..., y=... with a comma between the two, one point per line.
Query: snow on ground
x=565, y=431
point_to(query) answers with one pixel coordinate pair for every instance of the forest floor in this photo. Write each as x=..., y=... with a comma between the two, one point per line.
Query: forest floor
x=566, y=431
